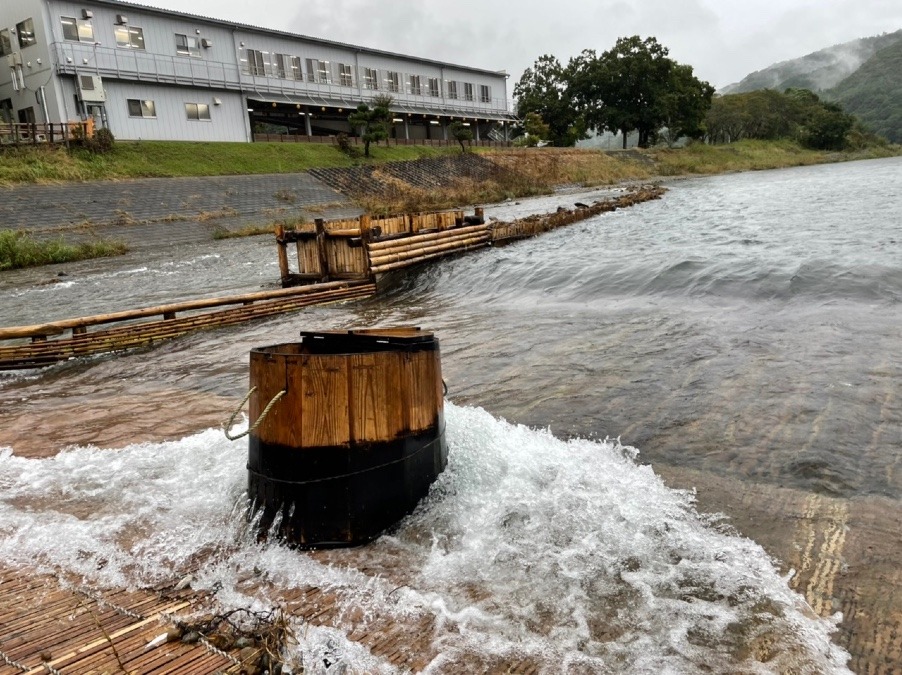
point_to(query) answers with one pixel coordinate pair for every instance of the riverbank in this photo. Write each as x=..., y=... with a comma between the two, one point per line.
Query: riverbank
x=215, y=191
x=543, y=166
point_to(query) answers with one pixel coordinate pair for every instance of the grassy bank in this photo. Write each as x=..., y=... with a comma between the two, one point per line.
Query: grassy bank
x=149, y=159
x=751, y=156
x=539, y=169
x=525, y=172
x=19, y=249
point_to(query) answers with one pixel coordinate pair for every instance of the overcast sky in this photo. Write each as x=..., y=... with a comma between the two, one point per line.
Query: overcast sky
x=724, y=40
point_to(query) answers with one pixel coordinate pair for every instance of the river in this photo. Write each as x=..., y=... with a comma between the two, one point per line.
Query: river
x=733, y=348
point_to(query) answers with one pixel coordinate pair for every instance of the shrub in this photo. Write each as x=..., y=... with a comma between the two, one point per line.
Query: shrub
x=102, y=142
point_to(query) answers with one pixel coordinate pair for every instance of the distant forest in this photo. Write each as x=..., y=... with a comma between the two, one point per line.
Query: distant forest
x=874, y=93
x=863, y=76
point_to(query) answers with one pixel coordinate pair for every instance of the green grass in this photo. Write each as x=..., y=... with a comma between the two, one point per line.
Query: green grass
x=172, y=159
x=167, y=159
x=699, y=158
x=19, y=249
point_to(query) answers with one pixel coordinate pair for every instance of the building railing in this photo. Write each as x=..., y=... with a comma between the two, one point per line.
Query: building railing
x=17, y=134
x=354, y=140
x=74, y=58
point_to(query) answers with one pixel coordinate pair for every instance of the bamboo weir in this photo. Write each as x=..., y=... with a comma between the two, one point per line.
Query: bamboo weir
x=54, y=624
x=336, y=261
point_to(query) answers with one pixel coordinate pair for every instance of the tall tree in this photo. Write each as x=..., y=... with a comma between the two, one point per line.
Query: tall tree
x=684, y=104
x=543, y=89
x=635, y=86
x=372, y=123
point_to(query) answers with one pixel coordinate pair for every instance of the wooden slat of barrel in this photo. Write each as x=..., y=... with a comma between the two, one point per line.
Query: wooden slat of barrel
x=267, y=373
x=324, y=386
x=376, y=409
x=419, y=385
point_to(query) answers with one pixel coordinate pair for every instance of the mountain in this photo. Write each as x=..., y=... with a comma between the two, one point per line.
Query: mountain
x=818, y=71
x=873, y=93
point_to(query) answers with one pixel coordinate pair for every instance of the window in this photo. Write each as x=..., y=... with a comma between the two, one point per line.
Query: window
x=296, y=68
x=468, y=91
x=281, y=65
x=346, y=79
x=129, y=37
x=256, y=62
x=138, y=108
x=77, y=30
x=6, y=110
x=6, y=46
x=433, y=87
x=485, y=93
x=393, y=81
x=318, y=71
x=187, y=45
x=26, y=116
x=416, y=88
x=197, y=111
x=370, y=78
x=323, y=72
x=25, y=31
x=452, y=89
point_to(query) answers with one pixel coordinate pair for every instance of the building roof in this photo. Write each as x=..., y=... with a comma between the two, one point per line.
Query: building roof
x=322, y=41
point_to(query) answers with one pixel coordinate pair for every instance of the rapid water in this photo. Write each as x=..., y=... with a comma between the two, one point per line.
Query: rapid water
x=745, y=327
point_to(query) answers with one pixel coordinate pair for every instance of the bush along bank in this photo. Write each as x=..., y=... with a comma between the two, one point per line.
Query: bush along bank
x=19, y=249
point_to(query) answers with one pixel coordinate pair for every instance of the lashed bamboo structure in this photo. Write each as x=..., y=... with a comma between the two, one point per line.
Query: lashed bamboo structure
x=336, y=260
x=61, y=340
x=364, y=247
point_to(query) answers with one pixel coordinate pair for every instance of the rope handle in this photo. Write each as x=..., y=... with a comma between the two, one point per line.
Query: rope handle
x=269, y=405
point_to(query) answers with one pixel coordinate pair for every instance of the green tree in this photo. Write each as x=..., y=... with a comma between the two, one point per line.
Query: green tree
x=796, y=114
x=372, y=123
x=684, y=105
x=461, y=133
x=635, y=86
x=826, y=127
x=535, y=129
x=544, y=90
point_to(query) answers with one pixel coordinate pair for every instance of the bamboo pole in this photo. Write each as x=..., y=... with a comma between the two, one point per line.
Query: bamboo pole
x=400, y=265
x=141, y=334
x=57, y=327
x=321, y=249
x=403, y=246
x=284, y=270
x=377, y=245
x=426, y=250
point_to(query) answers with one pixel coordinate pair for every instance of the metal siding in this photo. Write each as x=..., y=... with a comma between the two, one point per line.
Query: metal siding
x=171, y=123
x=35, y=74
x=131, y=73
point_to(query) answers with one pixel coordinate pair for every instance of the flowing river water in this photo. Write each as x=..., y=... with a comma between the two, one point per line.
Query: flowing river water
x=734, y=348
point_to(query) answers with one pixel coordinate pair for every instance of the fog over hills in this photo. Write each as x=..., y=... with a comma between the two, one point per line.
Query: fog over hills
x=818, y=71
x=874, y=93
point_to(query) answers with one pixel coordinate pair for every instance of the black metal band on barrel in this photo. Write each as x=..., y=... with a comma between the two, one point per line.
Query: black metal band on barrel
x=369, y=469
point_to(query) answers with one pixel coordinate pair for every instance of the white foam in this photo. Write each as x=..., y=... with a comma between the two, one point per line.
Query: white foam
x=567, y=553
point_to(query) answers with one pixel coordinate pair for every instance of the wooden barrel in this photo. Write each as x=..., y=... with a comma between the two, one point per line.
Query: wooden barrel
x=355, y=441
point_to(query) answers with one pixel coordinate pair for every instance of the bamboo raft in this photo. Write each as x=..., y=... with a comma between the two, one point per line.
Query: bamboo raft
x=73, y=629
x=336, y=261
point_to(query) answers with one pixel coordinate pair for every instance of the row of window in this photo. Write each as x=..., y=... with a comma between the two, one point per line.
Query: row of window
x=285, y=66
x=195, y=112
x=24, y=33
x=259, y=62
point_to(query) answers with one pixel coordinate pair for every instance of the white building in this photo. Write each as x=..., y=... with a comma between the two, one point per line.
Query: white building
x=148, y=73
